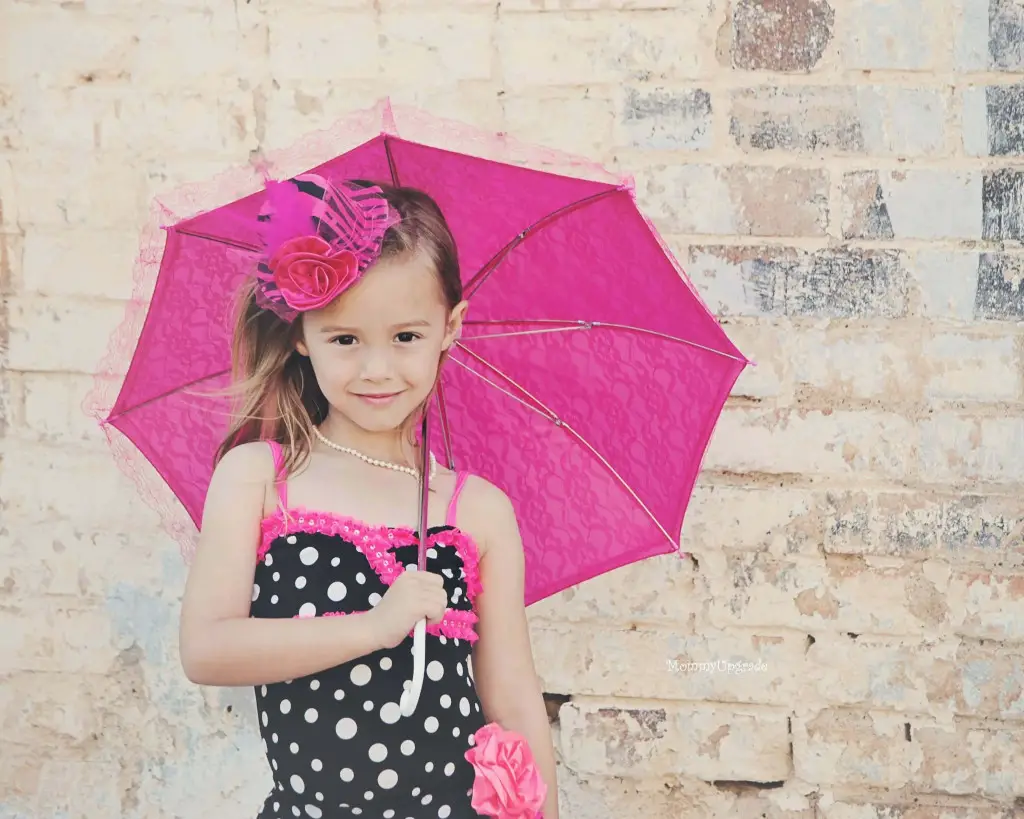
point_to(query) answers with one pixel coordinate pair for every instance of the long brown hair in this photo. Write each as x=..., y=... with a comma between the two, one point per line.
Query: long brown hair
x=277, y=394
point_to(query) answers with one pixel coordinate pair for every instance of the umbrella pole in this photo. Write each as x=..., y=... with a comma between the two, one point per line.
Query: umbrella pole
x=411, y=696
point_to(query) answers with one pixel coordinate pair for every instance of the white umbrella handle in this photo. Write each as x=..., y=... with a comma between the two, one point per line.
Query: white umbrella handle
x=411, y=695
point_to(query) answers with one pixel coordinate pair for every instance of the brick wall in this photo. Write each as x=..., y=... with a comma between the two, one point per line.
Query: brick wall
x=844, y=181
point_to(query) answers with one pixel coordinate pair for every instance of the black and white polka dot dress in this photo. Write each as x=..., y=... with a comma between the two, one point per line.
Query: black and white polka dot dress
x=336, y=742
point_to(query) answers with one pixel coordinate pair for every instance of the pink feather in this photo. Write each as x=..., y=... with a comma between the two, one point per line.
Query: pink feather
x=291, y=213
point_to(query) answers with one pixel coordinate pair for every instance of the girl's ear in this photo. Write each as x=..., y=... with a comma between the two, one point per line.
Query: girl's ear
x=302, y=348
x=455, y=321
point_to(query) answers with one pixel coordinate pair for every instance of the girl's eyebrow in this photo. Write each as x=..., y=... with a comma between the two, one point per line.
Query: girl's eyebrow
x=334, y=328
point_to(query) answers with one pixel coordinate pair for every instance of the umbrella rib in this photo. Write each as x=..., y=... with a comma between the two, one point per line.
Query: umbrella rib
x=499, y=388
x=484, y=272
x=546, y=412
x=563, y=325
x=217, y=239
x=164, y=394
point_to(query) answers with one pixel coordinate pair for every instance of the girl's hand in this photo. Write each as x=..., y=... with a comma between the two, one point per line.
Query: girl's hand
x=412, y=596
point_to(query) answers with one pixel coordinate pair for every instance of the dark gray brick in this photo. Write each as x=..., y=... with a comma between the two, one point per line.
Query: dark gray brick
x=1000, y=292
x=1002, y=202
x=1006, y=34
x=1005, y=106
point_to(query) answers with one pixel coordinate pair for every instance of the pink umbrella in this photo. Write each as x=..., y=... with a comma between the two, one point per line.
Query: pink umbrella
x=587, y=383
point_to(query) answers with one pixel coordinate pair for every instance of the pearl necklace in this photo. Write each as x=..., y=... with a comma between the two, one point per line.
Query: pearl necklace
x=374, y=461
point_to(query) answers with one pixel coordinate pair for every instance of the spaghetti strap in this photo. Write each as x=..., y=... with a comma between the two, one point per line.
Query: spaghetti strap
x=279, y=476
x=460, y=481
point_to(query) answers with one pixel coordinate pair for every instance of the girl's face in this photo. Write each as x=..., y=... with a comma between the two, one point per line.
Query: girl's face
x=375, y=350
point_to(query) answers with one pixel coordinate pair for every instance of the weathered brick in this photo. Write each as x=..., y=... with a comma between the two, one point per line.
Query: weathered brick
x=46, y=635
x=1006, y=35
x=994, y=604
x=662, y=664
x=603, y=47
x=961, y=367
x=918, y=204
x=303, y=45
x=52, y=262
x=565, y=121
x=999, y=291
x=829, y=283
x=890, y=35
x=956, y=448
x=755, y=201
x=52, y=408
x=947, y=283
x=993, y=118
x=662, y=119
x=840, y=120
x=982, y=681
x=436, y=49
x=920, y=807
x=632, y=592
x=835, y=443
x=40, y=329
x=701, y=741
x=1003, y=205
x=780, y=520
x=855, y=364
x=986, y=759
x=847, y=594
x=780, y=35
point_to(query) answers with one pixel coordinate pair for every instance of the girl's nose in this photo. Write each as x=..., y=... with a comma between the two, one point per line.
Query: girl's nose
x=376, y=366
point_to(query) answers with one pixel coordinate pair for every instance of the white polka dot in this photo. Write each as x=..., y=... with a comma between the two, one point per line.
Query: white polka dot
x=469, y=667
x=300, y=582
x=273, y=764
x=269, y=560
x=446, y=701
x=455, y=731
x=277, y=806
x=316, y=765
x=416, y=791
x=378, y=752
x=374, y=599
x=335, y=561
x=368, y=705
x=387, y=779
x=263, y=690
x=464, y=707
x=255, y=591
x=297, y=784
x=286, y=706
x=360, y=674
x=346, y=728
x=472, y=740
x=263, y=717
x=435, y=670
x=360, y=578
x=476, y=706
x=388, y=813
x=307, y=610
x=295, y=810
x=408, y=747
x=357, y=811
x=336, y=591
x=313, y=810
x=430, y=725
x=274, y=737
x=443, y=639
x=458, y=667
x=428, y=767
x=294, y=747
x=347, y=775
x=339, y=694
x=308, y=556
x=456, y=641
x=314, y=685
x=449, y=769
x=274, y=599
x=291, y=539
x=444, y=812
x=368, y=796
x=390, y=713
x=448, y=573
x=277, y=576
x=311, y=715
x=385, y=663
x=319, y=797
x=426, y=800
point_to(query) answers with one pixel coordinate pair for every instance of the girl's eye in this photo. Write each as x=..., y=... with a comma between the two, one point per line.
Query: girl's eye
x=408, y=336
x=344, y=341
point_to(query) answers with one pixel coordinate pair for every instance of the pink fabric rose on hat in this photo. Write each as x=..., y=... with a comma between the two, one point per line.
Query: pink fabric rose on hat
x=508, y=784
x=308, y=275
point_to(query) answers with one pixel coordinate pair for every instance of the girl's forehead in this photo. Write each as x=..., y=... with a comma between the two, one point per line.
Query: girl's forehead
x=395, y=289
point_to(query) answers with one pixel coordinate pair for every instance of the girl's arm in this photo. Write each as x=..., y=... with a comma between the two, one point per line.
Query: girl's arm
x=506, y=679
x=220, y=644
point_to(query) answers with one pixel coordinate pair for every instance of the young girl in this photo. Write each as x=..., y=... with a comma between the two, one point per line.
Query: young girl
x=311, y=511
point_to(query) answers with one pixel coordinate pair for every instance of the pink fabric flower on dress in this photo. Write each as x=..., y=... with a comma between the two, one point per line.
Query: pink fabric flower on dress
x=308, y=275
x=508, y=784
